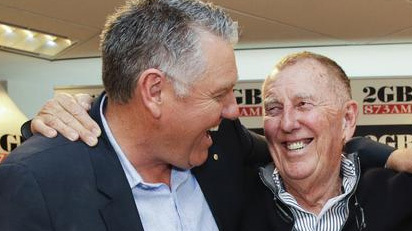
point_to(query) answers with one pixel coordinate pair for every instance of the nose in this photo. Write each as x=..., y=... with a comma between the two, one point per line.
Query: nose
x=230, y=108
x=289, y=120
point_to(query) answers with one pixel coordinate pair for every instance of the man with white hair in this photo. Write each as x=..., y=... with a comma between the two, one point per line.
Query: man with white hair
x=313, y=184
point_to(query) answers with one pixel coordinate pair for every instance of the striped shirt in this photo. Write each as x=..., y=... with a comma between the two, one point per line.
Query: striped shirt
x=334, y=213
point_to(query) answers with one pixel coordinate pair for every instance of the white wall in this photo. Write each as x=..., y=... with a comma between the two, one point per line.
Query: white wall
x=357, y=61
x=31, y=81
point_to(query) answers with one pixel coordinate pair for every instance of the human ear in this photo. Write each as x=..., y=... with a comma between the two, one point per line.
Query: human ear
x=150, y=85
x=349, y=119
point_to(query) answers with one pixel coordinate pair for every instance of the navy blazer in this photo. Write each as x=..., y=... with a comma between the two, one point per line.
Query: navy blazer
x=57, y=184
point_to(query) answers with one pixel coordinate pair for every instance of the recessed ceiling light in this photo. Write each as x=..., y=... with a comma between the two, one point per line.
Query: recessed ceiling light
x=31, y=42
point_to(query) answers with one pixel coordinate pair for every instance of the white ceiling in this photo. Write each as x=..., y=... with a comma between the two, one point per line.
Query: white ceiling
x=264, y=23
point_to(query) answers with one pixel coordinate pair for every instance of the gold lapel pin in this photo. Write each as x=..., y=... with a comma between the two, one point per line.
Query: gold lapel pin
x=215, y=156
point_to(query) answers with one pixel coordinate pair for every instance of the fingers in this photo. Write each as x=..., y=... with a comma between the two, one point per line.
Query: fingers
x=78, y=109
x=53, y=117
x=76, y=117
x=38, y=126
x=49, y=126
x=85, y=100
x=66, y=116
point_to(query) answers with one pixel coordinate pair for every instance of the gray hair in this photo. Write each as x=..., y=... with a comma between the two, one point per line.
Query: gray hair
x=161, y=34
x=342, y=84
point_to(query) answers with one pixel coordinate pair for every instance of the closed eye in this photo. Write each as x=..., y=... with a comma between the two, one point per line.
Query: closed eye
x=219, y=96
x=273, y=110
x=305, y=105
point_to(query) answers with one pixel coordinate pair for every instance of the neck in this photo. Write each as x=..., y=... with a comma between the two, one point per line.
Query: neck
x=313, y=195
x=133, y=135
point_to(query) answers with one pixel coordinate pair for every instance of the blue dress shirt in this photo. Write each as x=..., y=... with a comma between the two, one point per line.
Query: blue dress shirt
x=182, y=207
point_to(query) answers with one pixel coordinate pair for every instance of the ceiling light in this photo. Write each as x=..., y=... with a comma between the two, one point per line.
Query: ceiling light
x=31, y=42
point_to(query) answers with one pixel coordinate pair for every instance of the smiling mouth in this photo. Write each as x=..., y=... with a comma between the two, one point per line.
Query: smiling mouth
x=210, y=131
x=297, y=145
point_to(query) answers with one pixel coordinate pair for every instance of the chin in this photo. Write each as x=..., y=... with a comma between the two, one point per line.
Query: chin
x=298, y=171
x=298, y=176
x=198, y=159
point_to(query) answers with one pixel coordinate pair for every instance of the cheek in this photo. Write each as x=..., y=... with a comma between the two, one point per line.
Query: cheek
x=328, y=135
x=201, y=115
x=271, y=127
x=210, y=110
x=319, y=124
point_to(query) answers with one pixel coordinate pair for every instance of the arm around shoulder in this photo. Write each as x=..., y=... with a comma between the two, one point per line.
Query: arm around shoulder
x=260, y=154
x=372, y=154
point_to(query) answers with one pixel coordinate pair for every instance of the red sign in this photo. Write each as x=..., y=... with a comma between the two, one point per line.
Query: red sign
x=250, y=111
x=387, y=109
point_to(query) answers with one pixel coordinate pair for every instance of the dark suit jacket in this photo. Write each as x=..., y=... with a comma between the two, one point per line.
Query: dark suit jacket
x=56, y=184
x=382, y=201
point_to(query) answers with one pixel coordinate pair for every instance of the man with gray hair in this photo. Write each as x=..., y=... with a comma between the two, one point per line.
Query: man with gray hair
x=313, y=184
x=168, y=73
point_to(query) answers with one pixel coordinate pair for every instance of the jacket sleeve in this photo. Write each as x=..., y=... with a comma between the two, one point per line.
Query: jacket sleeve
x=255, y=144
x=372, y=154
x=259, y=155
x=22, y=206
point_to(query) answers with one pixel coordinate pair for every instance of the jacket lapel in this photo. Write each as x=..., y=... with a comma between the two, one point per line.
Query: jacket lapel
x=206, y=176
x=220, y=178
x=120, y=212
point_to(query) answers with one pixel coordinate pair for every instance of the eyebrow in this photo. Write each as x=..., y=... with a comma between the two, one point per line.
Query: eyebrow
x=270, y=100
x=225, y=88
x=303, y=96
x=273, y=100
x=228, y=85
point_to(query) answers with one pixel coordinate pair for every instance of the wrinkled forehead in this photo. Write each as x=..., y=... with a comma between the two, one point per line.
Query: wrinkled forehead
x=299, y=77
